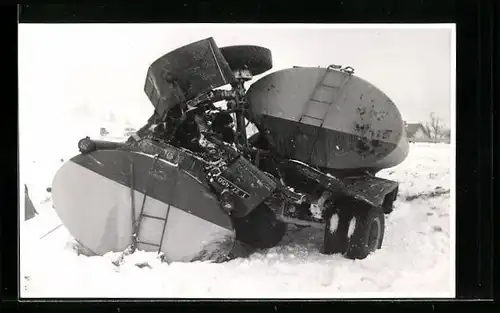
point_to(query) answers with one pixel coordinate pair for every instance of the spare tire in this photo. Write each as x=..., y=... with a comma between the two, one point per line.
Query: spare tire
x=254, y=58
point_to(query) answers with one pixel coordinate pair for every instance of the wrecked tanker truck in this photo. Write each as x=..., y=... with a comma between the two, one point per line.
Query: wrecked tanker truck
x=193, y=185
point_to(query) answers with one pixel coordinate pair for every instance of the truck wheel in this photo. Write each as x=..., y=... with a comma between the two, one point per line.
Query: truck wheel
x=254, y=58
x=260, y=228
x=366, y=230
x=335, y=238
x=354, y=229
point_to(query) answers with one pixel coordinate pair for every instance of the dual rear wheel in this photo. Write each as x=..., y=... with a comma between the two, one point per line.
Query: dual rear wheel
x=354, y=229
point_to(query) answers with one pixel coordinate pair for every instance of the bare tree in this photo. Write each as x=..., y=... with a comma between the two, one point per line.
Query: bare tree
x=447, y=135
x=435, y=129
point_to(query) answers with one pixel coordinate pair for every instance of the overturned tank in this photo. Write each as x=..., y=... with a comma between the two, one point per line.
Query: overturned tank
x=192, y=185
x=328, y=118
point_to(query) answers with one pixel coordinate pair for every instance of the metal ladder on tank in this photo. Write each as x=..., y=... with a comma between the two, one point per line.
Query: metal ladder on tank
x=349, y=70
x=136, y=224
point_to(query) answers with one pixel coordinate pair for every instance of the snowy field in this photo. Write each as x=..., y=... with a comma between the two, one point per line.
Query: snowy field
x=416, y=259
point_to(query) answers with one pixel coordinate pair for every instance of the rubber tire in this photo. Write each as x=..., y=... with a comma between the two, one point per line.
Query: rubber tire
x=254, y=58
x=359, y=243
x=336, y=242
x=357, y=246
x=260, y=228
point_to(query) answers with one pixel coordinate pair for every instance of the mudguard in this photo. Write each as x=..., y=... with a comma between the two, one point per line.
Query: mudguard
x=366, y=188
x=370, y=189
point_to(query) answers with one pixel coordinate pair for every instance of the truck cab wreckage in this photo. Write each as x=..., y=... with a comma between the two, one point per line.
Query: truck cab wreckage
x=192, y=185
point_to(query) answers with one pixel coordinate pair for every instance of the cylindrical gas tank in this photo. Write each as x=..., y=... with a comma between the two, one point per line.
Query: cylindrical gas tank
x=328, y=118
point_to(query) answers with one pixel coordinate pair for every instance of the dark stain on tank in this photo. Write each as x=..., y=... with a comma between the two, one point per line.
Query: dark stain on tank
x=362, y=147
x=369, y=143
x=386, y=133
x=366, y=148
x=361, y=111
x=271, y=86
x=372, y=114
x=378, y=115
x=362, y=128
x=384, y=114
x=382, y=134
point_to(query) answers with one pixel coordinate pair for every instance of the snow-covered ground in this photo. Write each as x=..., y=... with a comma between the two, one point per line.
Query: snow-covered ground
x=416, y=259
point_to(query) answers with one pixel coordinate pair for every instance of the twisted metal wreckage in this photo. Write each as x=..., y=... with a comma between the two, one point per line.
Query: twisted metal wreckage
x=192, y=185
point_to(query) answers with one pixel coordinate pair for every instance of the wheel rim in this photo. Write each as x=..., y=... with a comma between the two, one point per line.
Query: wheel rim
x=374, y=235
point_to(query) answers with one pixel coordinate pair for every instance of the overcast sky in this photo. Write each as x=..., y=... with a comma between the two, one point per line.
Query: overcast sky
x=93, y=69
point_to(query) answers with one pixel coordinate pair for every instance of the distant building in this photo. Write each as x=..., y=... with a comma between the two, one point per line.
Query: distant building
x=129, y=131
x=416, y=132
x=116, y=132
x=103, y=131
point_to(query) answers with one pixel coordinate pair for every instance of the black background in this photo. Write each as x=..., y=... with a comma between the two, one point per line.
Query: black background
x=476, y=30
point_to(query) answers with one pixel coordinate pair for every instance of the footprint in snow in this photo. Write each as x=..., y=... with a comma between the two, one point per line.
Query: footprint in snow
x=432, y=175
x=143, y=265
x=437, y=228
x=327, y=278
